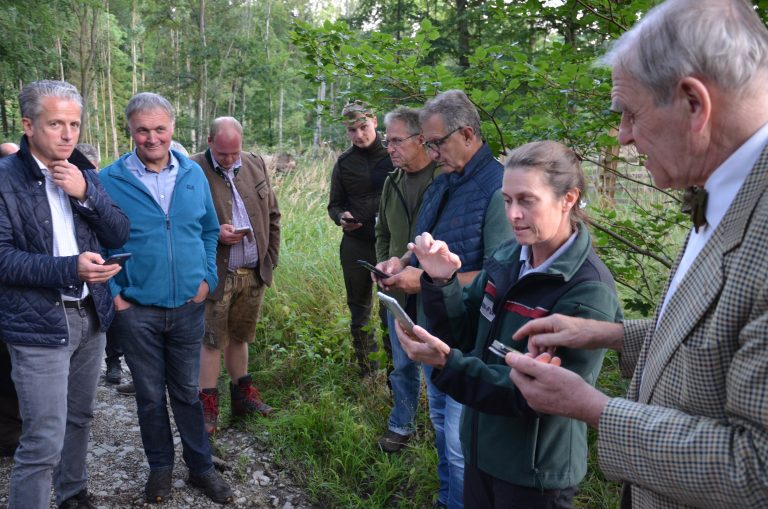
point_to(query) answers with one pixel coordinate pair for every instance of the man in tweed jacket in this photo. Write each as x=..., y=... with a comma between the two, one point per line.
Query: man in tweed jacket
x=690, y=83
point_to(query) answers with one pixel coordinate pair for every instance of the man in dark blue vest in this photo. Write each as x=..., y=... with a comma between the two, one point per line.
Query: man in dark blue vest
x=464, y=208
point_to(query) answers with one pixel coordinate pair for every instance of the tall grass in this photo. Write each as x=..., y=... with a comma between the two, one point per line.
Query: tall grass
x=328, y=421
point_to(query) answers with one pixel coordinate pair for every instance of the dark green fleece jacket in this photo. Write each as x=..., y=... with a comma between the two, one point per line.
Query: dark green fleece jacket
x=500, y=434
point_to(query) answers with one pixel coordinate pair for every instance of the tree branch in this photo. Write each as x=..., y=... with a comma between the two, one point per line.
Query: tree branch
x=630, y=244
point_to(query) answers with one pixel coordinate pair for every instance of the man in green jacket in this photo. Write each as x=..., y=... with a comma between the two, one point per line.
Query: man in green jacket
x=398, y=208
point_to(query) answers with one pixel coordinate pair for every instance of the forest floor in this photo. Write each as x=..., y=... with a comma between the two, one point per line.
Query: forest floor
x=118, y=469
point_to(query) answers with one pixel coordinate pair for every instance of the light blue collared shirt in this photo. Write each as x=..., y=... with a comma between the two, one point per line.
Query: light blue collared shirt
x=526, y=254
x=160, y=185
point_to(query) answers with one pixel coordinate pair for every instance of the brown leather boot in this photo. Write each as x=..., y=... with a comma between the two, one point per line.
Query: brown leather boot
x=246, y=398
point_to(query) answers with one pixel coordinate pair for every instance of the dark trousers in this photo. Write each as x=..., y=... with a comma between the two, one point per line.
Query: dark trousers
x=10, y=420
x=162, y=349
x=113, y=350
x=359, y=286
x=483, y=491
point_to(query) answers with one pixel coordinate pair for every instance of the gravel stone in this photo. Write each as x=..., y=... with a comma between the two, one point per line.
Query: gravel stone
x=118, y=469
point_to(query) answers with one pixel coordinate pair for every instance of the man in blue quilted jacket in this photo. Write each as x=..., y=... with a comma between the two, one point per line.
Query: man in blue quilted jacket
x=55, y=304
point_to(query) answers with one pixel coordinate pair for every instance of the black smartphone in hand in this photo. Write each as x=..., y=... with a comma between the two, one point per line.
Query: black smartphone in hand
x=117, y=259
x=379, y=273
x=350, y=220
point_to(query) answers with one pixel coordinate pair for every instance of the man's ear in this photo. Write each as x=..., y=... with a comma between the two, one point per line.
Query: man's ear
x=467, y=132
x=26, y=123
x=697, y=101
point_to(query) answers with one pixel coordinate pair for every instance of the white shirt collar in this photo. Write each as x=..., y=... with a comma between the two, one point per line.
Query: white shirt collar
x=727, y=179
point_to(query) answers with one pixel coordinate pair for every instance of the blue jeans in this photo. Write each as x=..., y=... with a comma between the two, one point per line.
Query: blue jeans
x=445, y=414
x=162, y=350
x=405, y=380
x=56, y=388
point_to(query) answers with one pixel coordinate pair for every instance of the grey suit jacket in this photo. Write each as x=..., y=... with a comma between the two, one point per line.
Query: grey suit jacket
x=693, y=431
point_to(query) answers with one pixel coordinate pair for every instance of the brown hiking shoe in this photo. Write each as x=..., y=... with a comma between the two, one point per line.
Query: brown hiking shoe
x=246, y=398
x=210, y=401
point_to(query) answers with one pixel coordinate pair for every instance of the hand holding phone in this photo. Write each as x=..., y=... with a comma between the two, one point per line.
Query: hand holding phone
x=117, y=259
x=350, y=220
x=242, y=229
x=501, y=349
x=397, y=311
x=380, y=274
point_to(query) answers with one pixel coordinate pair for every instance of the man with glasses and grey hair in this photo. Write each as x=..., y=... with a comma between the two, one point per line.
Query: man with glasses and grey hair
x=690, y=83
x=464, y=208
x=160, y=298
x=54, y=301
x=395, y=228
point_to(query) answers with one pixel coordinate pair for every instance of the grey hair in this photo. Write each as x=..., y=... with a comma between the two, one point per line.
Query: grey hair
x=220, y=123
x=89, y=151
x=408, y=116
x=456, y=110
x=560, y=166
x=723, y=41
x=32, y=94
x=147, y=101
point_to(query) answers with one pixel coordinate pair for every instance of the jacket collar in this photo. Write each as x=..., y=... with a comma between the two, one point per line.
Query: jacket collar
x=505, y=273
x=478, y=161
x=25, y=154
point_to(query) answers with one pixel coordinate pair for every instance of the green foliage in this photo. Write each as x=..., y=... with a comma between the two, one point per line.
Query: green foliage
x=536, y=78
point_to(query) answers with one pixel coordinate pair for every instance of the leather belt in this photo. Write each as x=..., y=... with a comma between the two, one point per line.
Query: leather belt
x=78, y=304
x=243, y=271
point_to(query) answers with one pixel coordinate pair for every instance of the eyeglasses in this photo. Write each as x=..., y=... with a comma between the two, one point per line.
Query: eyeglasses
x=436, y=144
x=396, y=142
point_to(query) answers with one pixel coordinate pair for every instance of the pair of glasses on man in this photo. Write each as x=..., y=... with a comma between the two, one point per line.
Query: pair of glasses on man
x=431, y=145
x=396, y=142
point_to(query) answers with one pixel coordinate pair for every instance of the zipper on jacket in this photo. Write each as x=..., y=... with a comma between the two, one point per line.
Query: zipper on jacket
x=169, y=244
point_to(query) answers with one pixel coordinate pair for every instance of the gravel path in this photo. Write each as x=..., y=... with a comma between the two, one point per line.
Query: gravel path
x=118, y=469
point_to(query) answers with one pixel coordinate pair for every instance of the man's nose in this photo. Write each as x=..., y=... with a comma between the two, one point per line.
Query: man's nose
x=625, y=131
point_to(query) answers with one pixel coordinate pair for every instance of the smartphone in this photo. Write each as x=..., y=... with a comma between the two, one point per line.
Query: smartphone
x=350, y=220
x=398, y=312
x=379, y=273
x=242, y=229
x=501, y=349
x=117, y=259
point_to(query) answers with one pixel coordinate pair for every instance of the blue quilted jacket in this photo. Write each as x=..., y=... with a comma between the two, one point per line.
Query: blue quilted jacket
x=454, y=207
x=31, y=278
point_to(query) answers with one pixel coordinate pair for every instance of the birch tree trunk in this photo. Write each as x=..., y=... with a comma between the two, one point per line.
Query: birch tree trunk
x=280, y=119
x=201, y=99
x=113, y=128
x=134, y=78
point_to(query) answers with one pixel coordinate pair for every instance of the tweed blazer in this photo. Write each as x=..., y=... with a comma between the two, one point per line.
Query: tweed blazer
x=254, y=187
x=693, y=431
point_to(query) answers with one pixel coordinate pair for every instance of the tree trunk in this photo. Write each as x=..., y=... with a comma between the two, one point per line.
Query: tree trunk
x=113, y=128
x=608, y=165
x=201, y=98
x=61, y=59
x=280, y=119
x=4, y=112
x=462, y=27
x=134, y=78
x=319, y=123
